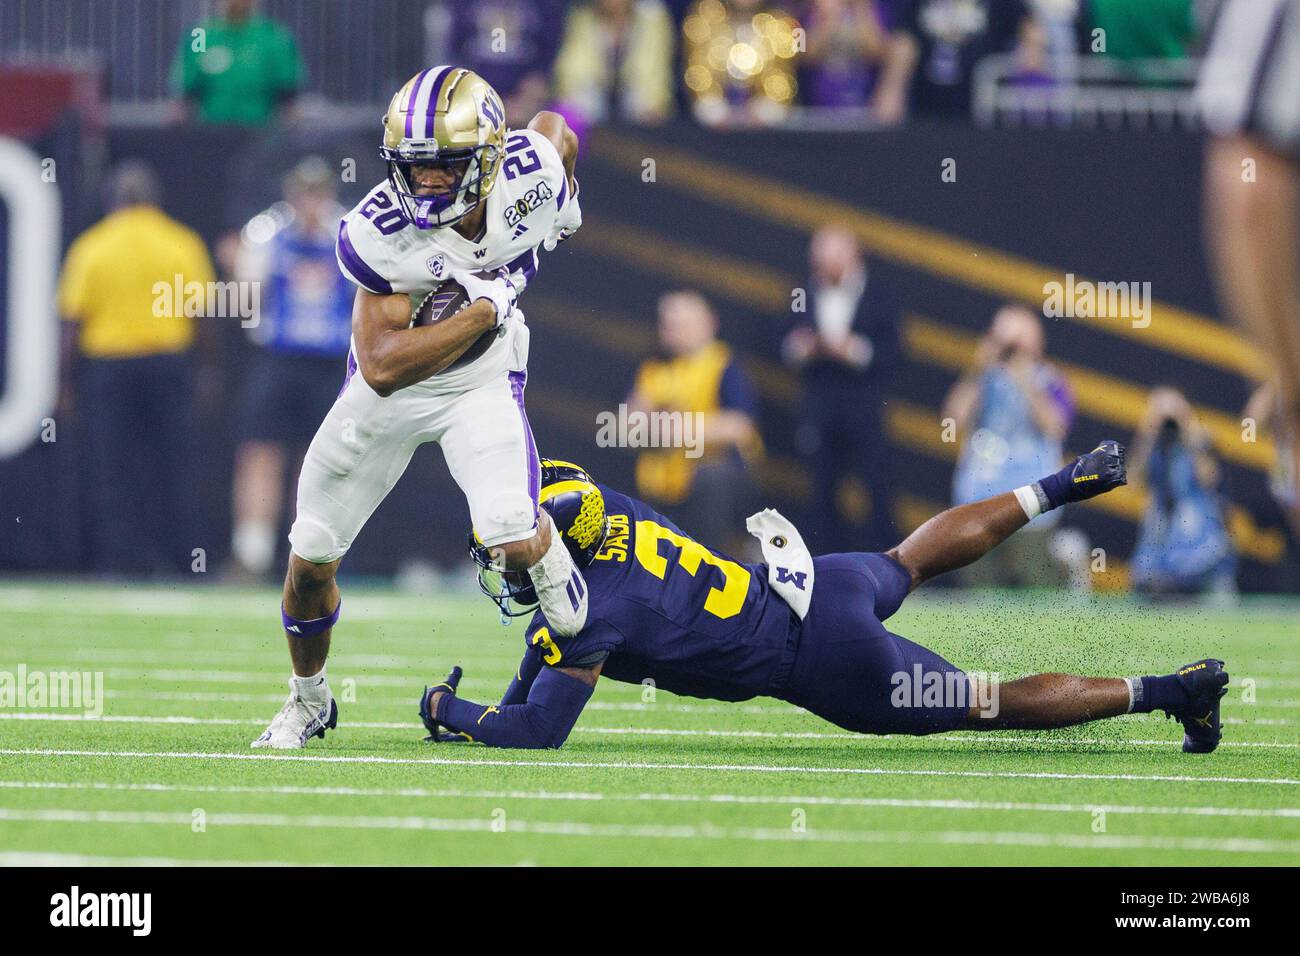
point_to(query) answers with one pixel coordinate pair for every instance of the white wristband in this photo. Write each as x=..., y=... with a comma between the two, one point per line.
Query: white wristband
x=1028, y=499
x=1134, y=691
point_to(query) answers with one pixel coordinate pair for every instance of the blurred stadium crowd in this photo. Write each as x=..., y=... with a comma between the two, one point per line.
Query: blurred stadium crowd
x=857, y=62
x=834, y=64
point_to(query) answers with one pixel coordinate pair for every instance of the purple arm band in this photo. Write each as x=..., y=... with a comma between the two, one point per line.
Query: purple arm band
x=310, y=628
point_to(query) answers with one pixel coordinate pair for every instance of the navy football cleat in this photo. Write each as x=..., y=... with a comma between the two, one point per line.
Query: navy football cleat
x=1205, y=682
x=1098, y=471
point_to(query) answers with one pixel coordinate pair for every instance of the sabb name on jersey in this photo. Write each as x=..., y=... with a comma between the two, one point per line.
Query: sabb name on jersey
x=74, y=908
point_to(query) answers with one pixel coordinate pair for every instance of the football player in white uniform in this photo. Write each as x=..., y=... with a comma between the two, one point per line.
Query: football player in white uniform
x=464, y=198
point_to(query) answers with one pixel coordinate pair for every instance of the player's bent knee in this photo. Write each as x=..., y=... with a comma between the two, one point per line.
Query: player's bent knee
x=314, y=543
x=510, y=525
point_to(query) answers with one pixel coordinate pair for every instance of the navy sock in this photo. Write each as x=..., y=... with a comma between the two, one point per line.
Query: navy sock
x=1159, y=693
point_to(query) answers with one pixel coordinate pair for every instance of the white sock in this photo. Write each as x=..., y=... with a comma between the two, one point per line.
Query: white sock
x=253, y=544
x=561, y=590
x=315, y=688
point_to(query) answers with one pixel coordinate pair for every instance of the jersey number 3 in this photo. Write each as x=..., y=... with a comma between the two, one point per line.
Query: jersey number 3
x=722, y=602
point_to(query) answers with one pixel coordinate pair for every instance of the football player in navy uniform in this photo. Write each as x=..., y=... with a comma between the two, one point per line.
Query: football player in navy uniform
x=666, y=608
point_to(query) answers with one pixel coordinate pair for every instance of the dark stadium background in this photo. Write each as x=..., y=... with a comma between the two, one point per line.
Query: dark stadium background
x=1113, y=205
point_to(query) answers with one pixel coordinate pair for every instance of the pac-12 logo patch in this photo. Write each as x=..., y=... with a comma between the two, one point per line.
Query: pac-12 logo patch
x=437, y=265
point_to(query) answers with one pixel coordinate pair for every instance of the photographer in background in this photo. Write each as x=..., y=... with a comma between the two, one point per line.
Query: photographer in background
x=1014, y=409
x=1183, y=546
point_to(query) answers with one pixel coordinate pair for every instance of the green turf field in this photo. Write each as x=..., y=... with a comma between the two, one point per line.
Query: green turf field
x=192, y=675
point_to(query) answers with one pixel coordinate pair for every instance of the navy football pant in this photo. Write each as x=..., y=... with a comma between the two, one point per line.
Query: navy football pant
x=847, y=667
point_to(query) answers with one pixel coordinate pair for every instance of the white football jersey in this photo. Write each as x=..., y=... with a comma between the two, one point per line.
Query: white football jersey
x=379, y=250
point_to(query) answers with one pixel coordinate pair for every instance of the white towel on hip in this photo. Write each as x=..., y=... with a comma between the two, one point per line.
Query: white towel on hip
x=789, y=565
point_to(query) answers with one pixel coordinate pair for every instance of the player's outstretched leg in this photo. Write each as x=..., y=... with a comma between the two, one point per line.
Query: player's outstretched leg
x=961, y=535
x=1044, y=701
x=309, y=612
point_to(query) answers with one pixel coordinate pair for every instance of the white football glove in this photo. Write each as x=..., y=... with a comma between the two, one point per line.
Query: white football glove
x=500, y=291
x=566, y=223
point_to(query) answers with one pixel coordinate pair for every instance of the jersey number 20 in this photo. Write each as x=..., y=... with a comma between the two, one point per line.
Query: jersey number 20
x=516, y=165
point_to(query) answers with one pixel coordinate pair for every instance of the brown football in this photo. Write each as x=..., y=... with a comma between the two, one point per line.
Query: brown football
x=444, y=301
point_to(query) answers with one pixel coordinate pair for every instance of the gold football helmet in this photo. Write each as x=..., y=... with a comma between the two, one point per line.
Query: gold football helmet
x=452, y=119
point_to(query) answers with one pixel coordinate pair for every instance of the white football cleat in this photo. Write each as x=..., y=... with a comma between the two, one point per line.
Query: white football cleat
x=298, y=721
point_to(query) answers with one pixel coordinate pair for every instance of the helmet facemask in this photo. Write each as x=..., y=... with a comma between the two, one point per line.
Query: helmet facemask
x=511, y=591
x=577, y=510
x=471, y=169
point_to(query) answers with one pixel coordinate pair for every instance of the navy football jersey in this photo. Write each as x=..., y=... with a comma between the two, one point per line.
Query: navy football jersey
x=666, y=608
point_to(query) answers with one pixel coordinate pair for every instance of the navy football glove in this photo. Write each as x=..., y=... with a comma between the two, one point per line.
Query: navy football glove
x=1205, y=682
x=1087, y=476
x=438, y=733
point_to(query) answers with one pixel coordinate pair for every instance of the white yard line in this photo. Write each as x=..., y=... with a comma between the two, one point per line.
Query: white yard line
x=189, y=656
x=210, y=675
x=237, y=601
x=636, y=765
x=668, y=705
x=138, y=601
x=164, y=676
x=656, y=831
x=443, y=793
x=19, y=858
x=114, y=655
x=55, y=716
